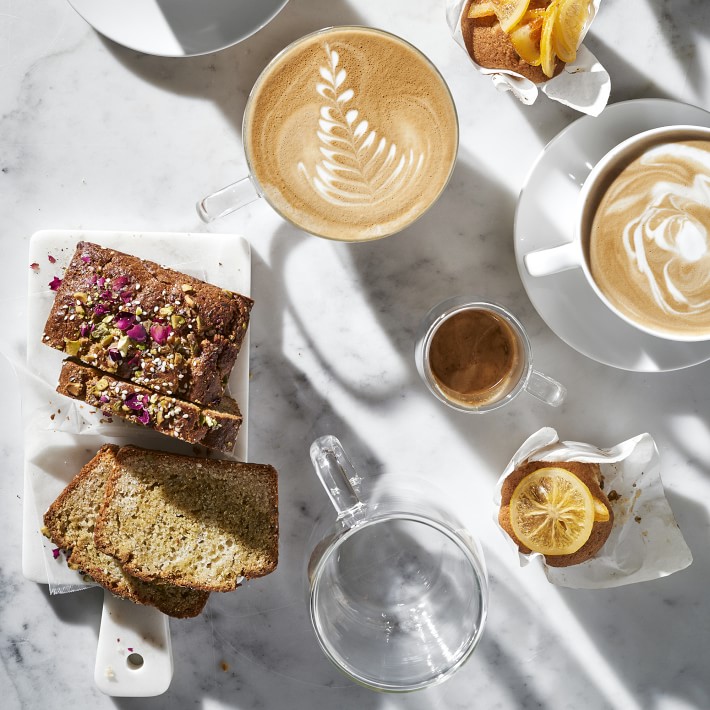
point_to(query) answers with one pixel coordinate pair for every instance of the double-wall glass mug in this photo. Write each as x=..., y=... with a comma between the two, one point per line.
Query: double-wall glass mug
x=398, y=587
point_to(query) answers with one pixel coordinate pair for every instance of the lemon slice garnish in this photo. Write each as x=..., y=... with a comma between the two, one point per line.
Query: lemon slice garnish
x=553, y=512
x=510, y=12
x=572, y=18
x=526, y=37
x=481, y=9
x=547, y=52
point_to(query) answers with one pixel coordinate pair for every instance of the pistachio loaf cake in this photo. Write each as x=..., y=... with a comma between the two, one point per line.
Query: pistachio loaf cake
x=215, y=427
x=136, y=320
x=69, y=523
x=200, y=523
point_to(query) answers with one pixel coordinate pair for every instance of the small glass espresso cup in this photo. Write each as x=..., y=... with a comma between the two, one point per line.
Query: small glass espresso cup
x=475, y=356
x=398, y=588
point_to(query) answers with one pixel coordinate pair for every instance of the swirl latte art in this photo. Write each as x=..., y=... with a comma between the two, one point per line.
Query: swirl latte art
x=650, y=240
x=351, y=133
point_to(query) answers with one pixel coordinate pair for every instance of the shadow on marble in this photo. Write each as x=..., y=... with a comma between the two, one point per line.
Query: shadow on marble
x=627, y=81
x=680, y=22
x=655, y=633
x=83, y=607
x=226, y=77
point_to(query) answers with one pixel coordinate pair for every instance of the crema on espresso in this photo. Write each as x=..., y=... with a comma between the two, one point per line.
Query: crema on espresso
x=649, y=249
x=351, y=134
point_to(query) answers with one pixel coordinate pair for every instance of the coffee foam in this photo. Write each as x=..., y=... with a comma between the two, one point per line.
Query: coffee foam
x=351, y=134
x=650, y=239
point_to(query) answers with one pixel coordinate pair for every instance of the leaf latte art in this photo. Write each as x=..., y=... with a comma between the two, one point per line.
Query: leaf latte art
x=351, y=133
x=650, y=239
x=357, y=167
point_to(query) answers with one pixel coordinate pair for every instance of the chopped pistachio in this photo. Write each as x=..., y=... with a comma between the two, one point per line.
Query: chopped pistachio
x=73, y=347
x=101, y=384
x=166, y=311
x=106, y=340
x=187, y=288
x=176, y=321
x=74, y=389
x=80, y=296
x=199, y=324
x=189, y=300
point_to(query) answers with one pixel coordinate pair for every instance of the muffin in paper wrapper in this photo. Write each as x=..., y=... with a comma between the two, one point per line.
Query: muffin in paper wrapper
x=583, y=85
x=645, y=541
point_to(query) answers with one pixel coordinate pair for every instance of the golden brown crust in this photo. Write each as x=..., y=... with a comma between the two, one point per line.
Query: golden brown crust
x=590, y=474
x=157, y=327
x=215, y=427
x=490, y=47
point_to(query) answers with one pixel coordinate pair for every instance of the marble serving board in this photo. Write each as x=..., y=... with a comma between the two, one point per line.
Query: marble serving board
x=62, y=435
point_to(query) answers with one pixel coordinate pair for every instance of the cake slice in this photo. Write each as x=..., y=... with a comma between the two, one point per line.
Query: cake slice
x=215, y=427
x=169, y=332
x=202, y=523
x=69, y=523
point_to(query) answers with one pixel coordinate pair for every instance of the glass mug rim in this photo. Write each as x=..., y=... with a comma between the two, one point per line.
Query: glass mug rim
x=449, y=308
x=473, y=555
x=283, y=52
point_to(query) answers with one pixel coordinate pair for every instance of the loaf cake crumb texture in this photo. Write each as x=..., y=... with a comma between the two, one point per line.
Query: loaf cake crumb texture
x=196, y=522
x=70, y=523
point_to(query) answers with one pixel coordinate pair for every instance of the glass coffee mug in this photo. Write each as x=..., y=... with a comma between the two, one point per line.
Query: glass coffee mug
x=398, y=588
x=475, y=356
x=350, y=133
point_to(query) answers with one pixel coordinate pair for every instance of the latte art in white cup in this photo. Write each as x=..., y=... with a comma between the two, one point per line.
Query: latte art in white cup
x=649, y=246
x=351, y=133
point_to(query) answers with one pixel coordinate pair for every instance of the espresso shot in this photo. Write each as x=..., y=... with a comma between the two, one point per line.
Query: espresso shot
x=475, y=357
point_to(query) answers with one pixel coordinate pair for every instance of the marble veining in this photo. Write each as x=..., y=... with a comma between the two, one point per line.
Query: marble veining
x=96, y=136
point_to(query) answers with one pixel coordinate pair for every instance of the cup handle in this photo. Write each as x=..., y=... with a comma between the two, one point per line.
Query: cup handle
x=228, y=199
x=546, y=389
x=551, y=261
x=339, y=478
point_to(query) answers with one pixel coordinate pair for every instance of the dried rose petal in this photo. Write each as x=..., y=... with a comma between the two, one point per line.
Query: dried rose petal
x=100, y=280
x=124, y=323
x=55, y=283
x=86, y=329
x=137, y=333
x=55, y=553
x=100, y=309
x=160, y=333
x=107, y=295
x=144, y=417
x=126, y=296
x=34, y=266
x=52, y=260
x=114, y=355
x=134, y=362
x=134, y=402
x=104, y=399
x=85, y=258
x=119, y=282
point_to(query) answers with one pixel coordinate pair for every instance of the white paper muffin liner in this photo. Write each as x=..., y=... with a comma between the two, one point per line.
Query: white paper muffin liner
x=645, y=541
x=583, y=85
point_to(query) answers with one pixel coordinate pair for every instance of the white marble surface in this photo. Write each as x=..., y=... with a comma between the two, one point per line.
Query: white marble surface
x=98, y=137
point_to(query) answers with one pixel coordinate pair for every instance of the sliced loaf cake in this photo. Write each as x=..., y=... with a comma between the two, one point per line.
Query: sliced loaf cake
x=201, y=523
x=69, y=523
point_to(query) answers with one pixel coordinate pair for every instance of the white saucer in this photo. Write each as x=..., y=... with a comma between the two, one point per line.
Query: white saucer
x=545, y=216
x=177, y=28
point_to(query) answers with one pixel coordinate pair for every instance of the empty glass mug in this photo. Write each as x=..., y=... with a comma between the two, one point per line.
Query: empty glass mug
x=398, y=588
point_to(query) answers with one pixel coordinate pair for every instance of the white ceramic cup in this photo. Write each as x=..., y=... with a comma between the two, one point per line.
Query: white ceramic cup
x=575, y=254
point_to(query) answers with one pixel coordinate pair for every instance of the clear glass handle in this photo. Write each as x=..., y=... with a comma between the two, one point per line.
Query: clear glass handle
x=545, y=388
x=339, y=478
x=228, y=199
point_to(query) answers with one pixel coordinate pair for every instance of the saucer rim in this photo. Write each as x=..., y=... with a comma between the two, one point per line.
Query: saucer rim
x=631, y=108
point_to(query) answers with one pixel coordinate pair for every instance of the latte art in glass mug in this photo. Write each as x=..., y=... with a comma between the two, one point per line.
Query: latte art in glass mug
x=350, y=133
x=650, y=238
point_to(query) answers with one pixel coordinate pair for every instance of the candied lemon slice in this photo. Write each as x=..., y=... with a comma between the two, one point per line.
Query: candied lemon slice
x=601, y=512
x=526, y=37
x=572, y=18
x=481, y=9
x=510, y=12
x=552, y=511
x=547, y=52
